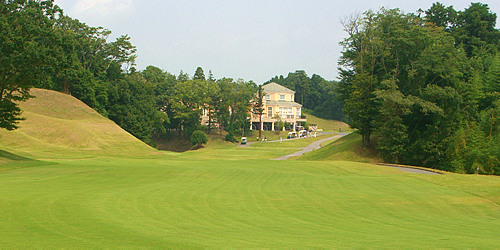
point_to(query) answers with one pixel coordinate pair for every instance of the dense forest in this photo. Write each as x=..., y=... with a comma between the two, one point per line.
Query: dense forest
x=422, y=88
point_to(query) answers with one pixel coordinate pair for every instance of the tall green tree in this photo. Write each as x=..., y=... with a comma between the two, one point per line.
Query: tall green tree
x=441, y=16
x=26, y=53
x=238, y=102
x=86, y=62
x=400, y=81
x=258, y=106
x=213, y=101
x=132, y=106
x=211, y=76
x=186, y=104
x=475, y=30
x=199, y=75
x=300, y=82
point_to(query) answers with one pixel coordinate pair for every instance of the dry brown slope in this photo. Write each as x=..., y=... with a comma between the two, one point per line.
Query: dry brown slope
x=59, y=125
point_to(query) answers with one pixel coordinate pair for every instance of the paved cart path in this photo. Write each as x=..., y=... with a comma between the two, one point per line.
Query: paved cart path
x=317, y=145
x=410, y=169
x=311, y=147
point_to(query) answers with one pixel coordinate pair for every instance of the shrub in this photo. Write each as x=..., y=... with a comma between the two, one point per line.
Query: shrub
x=230, y=137
x=198, y=138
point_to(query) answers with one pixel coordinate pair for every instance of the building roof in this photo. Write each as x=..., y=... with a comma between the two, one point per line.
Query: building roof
x=273, y=87
x=283, y=103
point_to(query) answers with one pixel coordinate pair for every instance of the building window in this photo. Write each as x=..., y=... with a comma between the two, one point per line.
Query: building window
x=269, y=112
x=282, y=97
x=267, y=97
x=298, y=113
x=285, y=112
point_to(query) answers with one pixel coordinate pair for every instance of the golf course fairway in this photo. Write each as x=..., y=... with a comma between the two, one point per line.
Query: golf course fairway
x=60, y=194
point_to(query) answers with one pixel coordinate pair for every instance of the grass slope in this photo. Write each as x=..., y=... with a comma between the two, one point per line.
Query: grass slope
x=222, y=195
x=60, y=125
x=347, y=148
x=327, y=125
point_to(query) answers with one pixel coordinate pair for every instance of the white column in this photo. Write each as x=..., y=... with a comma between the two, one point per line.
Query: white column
x=272, y=128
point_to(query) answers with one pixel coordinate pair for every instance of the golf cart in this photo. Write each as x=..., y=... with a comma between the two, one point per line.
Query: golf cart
x=243, y=140
x=303, y=133
x=292, y=134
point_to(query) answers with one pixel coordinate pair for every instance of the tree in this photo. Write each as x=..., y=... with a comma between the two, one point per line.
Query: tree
x=300, y=82
x=132, y=106
x=182, y=77
x=85, y=62
x=403, y=80
x=211, y=76
x=199, y=75
x=233, y=106
x=26, y=53
x=186, y=103
x=154, y=74
x=198, y=138
x=441, y=16
x=475, y=29
x=239, y=105
x=358, y=70
x=258, y=107
x=212, y=102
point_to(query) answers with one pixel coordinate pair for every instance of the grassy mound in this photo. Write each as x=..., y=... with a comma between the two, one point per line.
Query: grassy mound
x=327, y=125
x=347, y=148
x=59, y=125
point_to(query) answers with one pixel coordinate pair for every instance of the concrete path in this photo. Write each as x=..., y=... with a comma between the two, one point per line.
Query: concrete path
x=317, y=145
x=311, y=147
x=411, y=170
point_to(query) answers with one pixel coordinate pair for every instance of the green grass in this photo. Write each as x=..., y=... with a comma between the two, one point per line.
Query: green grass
x=73, y=196
x=170, y=202
x=347, y=148
x=327, y=125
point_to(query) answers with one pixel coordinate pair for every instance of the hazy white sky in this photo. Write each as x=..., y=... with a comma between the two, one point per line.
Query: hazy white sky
x=248, y=39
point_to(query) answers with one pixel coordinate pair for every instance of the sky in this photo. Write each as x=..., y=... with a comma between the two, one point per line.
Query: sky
x=249, y=39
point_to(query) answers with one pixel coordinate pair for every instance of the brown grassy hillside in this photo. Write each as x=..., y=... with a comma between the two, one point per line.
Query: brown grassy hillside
x=58, y=124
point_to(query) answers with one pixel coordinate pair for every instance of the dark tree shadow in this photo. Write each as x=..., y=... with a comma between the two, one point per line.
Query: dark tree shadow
x=14, y=161
x=13, y=157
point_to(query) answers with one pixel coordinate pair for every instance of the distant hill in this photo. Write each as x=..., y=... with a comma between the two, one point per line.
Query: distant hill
x=59, y=125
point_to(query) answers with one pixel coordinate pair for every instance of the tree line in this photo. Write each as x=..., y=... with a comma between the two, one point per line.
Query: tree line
x=424, y=88
x=226, y=102
x=42, y=47
x=316, y=94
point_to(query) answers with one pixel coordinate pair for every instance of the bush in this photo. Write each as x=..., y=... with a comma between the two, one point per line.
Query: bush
x=230, y=137
x=198, y=138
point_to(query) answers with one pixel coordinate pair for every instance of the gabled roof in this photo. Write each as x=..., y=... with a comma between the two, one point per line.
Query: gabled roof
x=273, y=87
